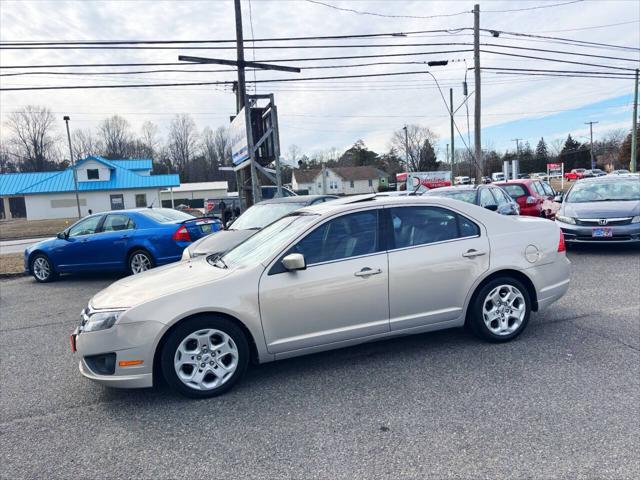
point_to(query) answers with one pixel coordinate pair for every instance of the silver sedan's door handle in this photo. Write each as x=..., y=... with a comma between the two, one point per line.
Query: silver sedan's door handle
x=366, y=272
x=473, y=253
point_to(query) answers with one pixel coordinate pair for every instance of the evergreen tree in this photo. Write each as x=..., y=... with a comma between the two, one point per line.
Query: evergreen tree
x=542, y=157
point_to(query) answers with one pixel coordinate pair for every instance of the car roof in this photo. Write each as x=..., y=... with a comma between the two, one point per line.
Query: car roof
x=296, y=199
x=606, y=178
x=516, y=181
x=458, y=187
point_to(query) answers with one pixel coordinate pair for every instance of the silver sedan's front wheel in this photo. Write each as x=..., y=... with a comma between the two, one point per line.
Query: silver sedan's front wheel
x=500, y=309
x=206, y=359
x=204, y=356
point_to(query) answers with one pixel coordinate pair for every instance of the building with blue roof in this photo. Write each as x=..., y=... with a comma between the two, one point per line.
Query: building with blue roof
x=102, y=185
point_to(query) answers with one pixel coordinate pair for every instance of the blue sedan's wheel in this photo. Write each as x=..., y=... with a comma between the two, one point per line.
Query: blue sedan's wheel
x=140, y=261
x=42, y=269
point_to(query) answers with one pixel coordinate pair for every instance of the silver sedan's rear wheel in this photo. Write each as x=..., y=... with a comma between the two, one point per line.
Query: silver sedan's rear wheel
x=500, y=310
x=42, y=269
x=204, y=356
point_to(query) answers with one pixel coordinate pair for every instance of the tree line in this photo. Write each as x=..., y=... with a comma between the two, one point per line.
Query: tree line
x=31, y=143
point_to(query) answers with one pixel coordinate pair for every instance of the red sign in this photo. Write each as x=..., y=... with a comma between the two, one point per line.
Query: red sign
x=554, y=166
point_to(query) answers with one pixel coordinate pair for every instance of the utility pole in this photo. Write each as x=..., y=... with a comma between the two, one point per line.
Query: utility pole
x=451, y=115
x=593, y=161
x=515, y=170
x=66, y=119
x=517, y=140
x=406, y=152
x=477, y=126
x=242, y=94
x=633, y=166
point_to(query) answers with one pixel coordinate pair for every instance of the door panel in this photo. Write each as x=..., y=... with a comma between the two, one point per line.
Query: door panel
x=341, y=295
x=112, y=243
x=76, y=251
x=325, y=303
x=430, y=279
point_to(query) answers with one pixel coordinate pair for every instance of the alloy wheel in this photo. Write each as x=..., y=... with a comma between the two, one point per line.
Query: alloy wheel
x=206, y=359
x=504, y=310
x=41, y=268
x=140, y=262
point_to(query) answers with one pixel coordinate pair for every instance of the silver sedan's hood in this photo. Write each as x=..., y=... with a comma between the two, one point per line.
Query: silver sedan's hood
x=629, y=208
x=220, y=242
x=155, y=283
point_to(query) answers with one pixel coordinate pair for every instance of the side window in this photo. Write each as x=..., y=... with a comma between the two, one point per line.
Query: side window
x=538, y=188
x=85, y=227
x=422, y=225
x=500, y=196
x=343, y=237
x=486, y=197
x=547, y=189
x=114, y=223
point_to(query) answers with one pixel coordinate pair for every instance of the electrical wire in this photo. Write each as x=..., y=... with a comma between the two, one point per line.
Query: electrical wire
x=593, y=27
x=375, y=14
x=533, y=8
x=557, y=60
x=545, y=37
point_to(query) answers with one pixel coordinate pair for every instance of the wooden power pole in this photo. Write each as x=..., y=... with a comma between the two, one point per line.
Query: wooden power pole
x=477, y=126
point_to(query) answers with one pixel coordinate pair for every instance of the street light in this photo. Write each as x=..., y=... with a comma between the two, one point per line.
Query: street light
x=73, y=166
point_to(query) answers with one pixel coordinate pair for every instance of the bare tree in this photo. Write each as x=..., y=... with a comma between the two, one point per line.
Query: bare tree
x=294, y=154
x=84, y=143
x=115, y=134
x=420, y=147
x=32, y=139
x=149, y=138
x=223, y=145
x=182, y=144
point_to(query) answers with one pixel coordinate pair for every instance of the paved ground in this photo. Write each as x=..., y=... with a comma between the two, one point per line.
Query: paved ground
x=18, y=246
x=563, y=401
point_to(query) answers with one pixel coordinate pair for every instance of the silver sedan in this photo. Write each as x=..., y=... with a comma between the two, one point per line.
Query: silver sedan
x=353, y=270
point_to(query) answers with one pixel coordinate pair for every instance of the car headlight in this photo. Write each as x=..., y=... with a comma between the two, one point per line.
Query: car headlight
x=100, y=320
x=636, y=219
x=186, y=255
x=563, y=219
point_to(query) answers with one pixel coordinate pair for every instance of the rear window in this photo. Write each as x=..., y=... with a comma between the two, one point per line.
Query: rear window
x=468, y=196
x=514, y=191
x=166, y=215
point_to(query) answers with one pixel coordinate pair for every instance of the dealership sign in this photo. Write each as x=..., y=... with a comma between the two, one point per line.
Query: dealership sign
x=422, y=181
x=238, y=139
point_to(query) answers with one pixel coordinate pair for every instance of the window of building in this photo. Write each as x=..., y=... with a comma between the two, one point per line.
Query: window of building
x=141, y=200
x=423, y=225
x=319, y=185
x=351, y=184
x=370, y=183
x=346, y=236
x=93, y=174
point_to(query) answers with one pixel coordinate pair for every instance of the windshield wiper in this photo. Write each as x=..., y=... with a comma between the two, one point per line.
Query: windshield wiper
x=216, y=261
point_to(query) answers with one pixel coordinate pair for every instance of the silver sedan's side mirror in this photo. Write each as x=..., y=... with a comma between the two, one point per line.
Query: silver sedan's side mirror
x=294, y=261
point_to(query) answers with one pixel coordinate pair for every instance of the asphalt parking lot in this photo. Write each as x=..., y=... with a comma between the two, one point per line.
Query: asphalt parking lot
x=562, y=401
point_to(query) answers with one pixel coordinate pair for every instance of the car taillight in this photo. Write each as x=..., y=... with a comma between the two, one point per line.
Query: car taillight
x=181, y=235
x=561, y=245
x=531, y=200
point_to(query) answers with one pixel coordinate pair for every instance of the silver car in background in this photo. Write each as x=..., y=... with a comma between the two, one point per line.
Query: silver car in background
x=341, y=273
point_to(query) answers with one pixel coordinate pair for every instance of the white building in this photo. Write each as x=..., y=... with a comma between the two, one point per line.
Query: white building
x=193, y=194
x=102, y=185
x=339, y=180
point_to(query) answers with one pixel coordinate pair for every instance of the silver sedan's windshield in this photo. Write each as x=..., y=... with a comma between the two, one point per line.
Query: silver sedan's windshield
x=604, y=191
x=259, y=216
x=265, y=243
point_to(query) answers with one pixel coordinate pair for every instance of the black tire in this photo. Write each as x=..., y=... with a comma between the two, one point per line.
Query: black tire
x=41, y=257
x=476, y=316
x=186, y=328
x=139, y=252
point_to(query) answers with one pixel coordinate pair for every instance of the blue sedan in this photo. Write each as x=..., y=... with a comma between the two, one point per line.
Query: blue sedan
x=120, y=240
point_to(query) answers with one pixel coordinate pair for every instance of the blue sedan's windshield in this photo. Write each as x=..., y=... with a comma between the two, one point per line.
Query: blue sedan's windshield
x=266, y=242
x=610, y=191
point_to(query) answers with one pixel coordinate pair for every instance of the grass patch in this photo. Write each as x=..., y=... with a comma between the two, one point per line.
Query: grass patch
x=11, y=263
x=19, y=228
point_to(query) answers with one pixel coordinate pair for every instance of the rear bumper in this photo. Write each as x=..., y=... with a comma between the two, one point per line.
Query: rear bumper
x=551, y=281
x=581, y=234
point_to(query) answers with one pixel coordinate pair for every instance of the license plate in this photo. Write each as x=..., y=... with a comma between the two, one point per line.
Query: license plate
x=205, y=228
x=602, y=232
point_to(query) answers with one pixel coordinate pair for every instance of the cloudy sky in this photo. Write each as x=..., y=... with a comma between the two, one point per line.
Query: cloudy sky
x=318, y=115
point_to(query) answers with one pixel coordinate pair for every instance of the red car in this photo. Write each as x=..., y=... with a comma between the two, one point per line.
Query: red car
x=530, y=195
x=574, y=174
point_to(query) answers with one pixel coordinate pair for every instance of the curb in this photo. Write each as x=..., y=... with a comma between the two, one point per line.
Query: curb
x=12, y=275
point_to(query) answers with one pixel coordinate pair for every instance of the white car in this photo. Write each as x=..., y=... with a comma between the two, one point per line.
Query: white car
x=327, y=276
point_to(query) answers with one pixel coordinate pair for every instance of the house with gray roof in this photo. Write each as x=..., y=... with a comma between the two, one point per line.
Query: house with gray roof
x=338, y=180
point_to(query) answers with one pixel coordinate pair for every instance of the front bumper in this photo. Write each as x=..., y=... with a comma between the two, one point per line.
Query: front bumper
x=131, y=342
x=582, y=234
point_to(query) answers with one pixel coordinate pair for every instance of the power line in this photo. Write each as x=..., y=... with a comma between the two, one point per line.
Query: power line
x=533, y=8
x=557, y=60
x=246, y=40
x=593, y=27
x=375, y=14
x=584, y=42
x=554, y=71
x=612, y=77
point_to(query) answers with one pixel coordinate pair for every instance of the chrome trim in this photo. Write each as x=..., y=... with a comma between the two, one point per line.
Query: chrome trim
x=597, y=220
x=434, y=243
